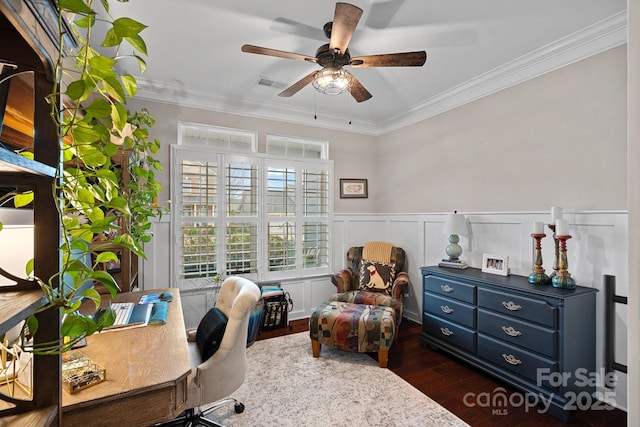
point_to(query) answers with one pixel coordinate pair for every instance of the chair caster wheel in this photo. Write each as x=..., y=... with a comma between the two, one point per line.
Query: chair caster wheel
x=239, y=408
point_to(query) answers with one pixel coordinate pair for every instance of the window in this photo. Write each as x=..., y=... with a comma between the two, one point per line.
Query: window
x=260, y=216
x=296, y=147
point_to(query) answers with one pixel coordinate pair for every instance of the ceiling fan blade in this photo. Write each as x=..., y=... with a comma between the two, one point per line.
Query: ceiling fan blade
x=345, y=20
x=249, y=48
x=294, y=88
x=358, y=91
x=406, y=59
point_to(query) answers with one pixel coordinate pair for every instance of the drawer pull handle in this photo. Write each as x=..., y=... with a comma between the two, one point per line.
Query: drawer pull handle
x=446, y=331
x=446, y=309
x=510, y=358
x=511, y=331
x=511, y=306
x=446, y=288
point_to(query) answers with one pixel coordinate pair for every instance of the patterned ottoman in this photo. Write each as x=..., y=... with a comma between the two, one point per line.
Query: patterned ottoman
x=353, y=327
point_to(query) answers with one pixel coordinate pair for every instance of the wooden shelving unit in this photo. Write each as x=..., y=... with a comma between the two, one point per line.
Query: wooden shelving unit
x=28, y=43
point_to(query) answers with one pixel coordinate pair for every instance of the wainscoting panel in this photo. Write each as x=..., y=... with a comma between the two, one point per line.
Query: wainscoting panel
x=598, y=247
x=500, y=238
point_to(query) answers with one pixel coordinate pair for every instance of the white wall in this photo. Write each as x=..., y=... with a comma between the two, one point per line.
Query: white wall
x=559, y=139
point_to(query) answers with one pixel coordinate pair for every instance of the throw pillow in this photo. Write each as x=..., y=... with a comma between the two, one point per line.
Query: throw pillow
x=210, y=332
x=377, y=276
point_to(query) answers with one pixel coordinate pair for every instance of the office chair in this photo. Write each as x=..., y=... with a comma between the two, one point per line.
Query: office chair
x=215, y=376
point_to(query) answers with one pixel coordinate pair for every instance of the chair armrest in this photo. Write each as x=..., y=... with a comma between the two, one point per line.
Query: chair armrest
x=400, y=285
x=342, y=280
x=191, y=335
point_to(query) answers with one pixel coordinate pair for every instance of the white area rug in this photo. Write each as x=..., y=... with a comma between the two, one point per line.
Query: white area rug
x=286, y=386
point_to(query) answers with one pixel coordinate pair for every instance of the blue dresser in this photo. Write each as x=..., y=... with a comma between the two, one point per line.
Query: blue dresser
x=537, y=338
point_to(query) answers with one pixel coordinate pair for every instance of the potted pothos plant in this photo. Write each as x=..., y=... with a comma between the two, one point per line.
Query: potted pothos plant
x=97, y=211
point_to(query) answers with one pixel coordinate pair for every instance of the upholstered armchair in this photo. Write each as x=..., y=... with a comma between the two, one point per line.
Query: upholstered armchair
x=348, y=281
x=365, y=313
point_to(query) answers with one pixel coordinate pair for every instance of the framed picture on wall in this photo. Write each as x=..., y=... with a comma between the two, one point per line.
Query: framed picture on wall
x=353, y=188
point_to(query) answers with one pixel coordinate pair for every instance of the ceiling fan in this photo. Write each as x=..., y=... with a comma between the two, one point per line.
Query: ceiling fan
x=333, y=56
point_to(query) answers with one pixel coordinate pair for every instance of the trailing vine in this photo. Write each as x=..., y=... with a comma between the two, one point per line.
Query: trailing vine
x=96, y=133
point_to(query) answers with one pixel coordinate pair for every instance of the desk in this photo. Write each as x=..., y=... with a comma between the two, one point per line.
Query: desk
x=146, y=371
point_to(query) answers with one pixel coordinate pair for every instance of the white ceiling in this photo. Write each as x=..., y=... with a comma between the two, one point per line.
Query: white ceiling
x=473, y=48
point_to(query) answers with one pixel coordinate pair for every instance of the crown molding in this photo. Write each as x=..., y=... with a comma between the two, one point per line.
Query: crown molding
x=169, y=93
x=597, y=38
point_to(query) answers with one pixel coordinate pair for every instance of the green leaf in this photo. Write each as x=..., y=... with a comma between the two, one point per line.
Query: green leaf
x=102, y=64
x=118, y=116
x=85, y=21
x=29, y=267
x=86, y=196
x=27, y=155
x=106, y=257
x=74, y=6
x=80, y=245
x=74, y=325
x=82, y=234
x=32, y=324
x=138, y=43
x=114, y=88
x=130, y=85
x=99, y=108
x=107, y=174
x=23, y=199
x=90, y=155
x=127, y=27
x=95, y=214
x=106, y=279
x=141, y=63
x=76, y=90
x=111, y=39
x=84, y=134
x=93, y=295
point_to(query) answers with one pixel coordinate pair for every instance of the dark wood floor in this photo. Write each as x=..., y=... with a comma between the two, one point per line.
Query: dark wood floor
x=446, y=380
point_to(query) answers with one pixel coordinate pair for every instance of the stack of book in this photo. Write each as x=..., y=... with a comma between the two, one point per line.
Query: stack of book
x=453, y=263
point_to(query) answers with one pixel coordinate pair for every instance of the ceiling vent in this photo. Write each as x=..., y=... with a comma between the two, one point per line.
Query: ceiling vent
x=263, y=81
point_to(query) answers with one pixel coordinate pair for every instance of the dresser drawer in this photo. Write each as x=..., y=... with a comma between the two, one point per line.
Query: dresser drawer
x=450, y=332
x=450, y=309
x=527, y=335
x=514, y=359
x=538, y=311
x=450, y=288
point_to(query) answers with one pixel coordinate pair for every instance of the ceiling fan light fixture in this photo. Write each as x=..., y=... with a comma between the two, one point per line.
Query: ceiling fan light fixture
x=332, y=82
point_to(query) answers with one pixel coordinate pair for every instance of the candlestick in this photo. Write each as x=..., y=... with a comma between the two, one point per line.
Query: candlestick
x=538, y=276
x=563, y=278
x=556, y=242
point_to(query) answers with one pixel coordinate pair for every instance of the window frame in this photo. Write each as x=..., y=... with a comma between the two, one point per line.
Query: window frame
x=180, y=153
